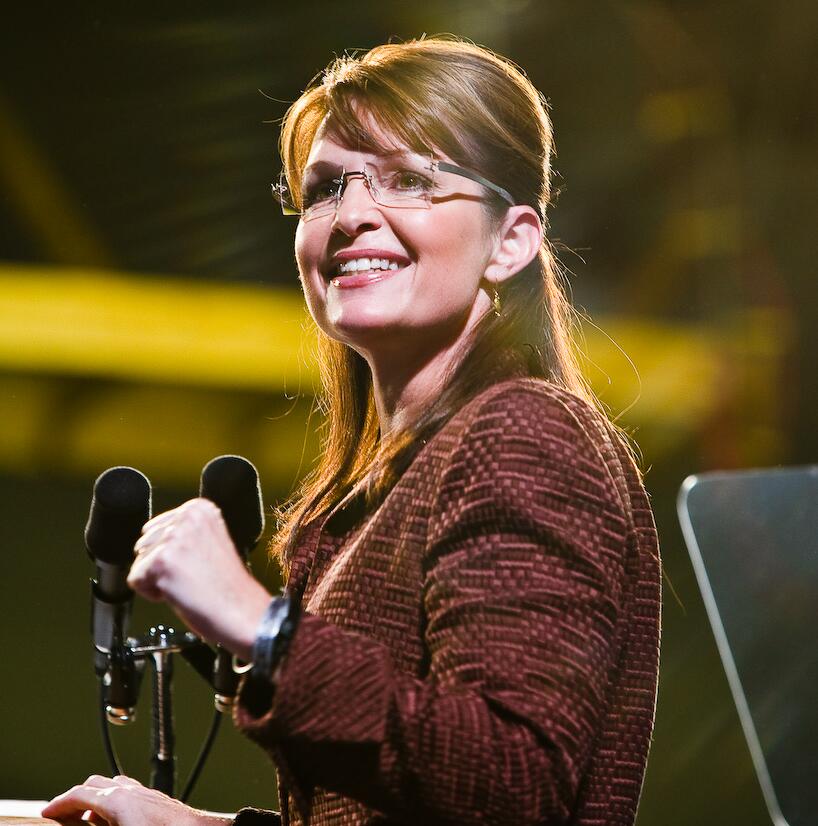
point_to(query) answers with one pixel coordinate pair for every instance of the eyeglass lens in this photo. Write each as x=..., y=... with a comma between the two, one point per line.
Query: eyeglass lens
x=409, y=183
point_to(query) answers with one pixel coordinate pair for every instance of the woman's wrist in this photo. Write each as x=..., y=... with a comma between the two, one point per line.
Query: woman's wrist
x=240, y=620
x=205, y=818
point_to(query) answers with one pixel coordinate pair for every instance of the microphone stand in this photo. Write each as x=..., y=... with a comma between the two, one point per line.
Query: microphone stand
x=163, y=739
x=158, y=647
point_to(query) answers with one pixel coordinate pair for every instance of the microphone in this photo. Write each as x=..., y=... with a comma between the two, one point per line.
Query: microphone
x=120, y=506
x=232, y=483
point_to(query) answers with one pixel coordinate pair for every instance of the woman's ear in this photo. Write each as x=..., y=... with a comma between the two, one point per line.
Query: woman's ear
x=518, y=240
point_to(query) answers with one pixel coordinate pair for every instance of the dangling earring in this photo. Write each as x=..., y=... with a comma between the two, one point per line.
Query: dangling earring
x=496, y=302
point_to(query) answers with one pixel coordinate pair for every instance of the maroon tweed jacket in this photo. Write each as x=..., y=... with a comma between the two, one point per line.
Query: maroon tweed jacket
x=483, y=648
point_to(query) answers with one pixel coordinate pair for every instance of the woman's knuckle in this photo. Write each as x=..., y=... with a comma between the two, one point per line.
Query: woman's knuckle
x=208, y=509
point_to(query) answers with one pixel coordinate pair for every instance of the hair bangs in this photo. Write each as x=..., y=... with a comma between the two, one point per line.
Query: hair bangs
x=364, y=119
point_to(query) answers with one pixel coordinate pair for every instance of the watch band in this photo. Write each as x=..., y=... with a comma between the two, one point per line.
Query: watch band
x=275, y=631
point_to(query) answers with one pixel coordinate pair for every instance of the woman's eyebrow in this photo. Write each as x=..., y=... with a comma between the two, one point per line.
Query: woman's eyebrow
x=397, y=153
x=404, y=155
x=322, y=166
x=388, y=154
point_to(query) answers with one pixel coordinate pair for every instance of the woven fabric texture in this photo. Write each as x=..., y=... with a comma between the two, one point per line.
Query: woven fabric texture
x=483, y=648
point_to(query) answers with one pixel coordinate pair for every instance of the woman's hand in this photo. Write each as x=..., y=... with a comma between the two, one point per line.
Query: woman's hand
x=186, y=558
x=122, y=801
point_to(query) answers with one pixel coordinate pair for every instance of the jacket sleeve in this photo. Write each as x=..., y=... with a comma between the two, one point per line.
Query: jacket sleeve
x=256, y=817
x=523, y=584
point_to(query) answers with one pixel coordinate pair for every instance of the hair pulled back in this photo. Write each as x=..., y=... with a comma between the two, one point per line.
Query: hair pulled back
x=434, y=94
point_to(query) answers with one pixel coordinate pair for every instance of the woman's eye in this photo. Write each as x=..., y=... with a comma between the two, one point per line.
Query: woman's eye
x=321, y=191
x=408, y=181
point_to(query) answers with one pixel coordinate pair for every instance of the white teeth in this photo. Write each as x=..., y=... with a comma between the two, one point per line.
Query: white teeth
x=362, y=264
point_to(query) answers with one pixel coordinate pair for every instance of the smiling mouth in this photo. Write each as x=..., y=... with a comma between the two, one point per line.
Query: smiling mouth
x=360, y=271
x=365, y=264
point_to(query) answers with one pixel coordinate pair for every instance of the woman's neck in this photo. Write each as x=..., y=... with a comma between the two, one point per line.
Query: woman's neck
x=410, y=371
x=403, y=389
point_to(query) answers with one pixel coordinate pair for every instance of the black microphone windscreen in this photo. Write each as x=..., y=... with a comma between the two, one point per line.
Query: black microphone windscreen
x=121, y=505
x=231, y=483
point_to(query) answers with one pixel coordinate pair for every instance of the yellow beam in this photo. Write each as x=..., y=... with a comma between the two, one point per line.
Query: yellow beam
x=103, y=323
x=188, y=336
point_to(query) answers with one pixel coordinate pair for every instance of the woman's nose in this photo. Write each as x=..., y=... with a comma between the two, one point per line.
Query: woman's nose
x=357, y=209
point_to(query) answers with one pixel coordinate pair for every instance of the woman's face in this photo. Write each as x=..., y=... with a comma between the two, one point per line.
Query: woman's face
x=430, y=297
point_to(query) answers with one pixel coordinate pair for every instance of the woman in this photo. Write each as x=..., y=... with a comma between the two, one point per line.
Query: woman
x=474, y=558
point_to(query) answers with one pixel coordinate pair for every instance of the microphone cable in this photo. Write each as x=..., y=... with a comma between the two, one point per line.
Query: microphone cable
x=201, y=759
x=113, y=760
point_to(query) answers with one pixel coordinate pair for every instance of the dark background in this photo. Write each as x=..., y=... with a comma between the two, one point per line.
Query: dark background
x=136, y=147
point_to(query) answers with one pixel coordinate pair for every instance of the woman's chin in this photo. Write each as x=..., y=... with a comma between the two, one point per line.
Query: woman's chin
x=358, y=330
x=357, y=309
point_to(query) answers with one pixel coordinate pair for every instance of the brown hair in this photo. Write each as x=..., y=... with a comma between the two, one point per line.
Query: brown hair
x=437, y=93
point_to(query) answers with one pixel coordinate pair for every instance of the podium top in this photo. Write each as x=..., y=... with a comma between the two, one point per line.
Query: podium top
x=27, y=813
x=35, y=821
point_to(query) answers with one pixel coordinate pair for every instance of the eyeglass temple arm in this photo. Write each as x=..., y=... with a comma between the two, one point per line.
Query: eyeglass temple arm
x=473, y=176
x=280, y=194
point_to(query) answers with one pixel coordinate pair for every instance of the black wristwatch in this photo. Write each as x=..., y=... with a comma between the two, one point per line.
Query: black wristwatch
x=275, y=631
